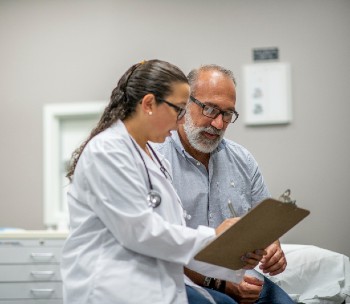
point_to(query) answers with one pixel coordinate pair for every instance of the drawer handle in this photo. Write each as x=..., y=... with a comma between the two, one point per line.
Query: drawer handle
x=41, y=292
x=39, y=273
x=42, y=256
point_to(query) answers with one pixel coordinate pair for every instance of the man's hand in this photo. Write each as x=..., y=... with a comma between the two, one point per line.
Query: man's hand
x=252, y=259
x=247, y=291
x=274, y=262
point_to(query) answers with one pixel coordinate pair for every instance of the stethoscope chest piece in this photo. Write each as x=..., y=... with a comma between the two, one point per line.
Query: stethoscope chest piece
x=153, y=198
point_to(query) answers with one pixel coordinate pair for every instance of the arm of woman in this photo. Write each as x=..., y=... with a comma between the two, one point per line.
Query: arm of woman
x=114, y=185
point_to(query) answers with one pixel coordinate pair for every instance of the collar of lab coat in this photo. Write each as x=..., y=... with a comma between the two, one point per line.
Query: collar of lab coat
x=152, y=165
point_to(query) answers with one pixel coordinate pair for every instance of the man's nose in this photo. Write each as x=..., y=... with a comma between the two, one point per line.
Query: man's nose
x=218, y=122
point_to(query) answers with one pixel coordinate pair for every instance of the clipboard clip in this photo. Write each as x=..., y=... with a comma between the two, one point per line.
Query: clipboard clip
x=285, y=198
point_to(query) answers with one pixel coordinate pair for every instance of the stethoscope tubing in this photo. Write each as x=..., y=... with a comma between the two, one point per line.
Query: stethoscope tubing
x=153, y=197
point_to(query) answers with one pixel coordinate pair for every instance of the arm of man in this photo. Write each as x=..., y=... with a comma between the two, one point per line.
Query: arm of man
x=274, y=262
x=247, y=291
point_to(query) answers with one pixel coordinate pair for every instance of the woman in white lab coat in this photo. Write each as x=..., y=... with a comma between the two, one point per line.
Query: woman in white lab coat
x=128, y=242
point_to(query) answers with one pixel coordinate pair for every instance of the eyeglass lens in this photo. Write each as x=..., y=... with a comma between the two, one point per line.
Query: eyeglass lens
x=180, y=111
x=212, y=112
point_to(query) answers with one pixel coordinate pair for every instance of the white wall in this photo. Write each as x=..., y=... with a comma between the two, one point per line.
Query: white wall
x=65, y=51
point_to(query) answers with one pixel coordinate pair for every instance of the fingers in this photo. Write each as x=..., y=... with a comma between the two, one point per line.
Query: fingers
x=271, y=259
x=271, y=251
x=253, y=280
x=233, y=220
x=247, y=291
x=276, y=268
x=252, y=259
x=274, y=262
x=250, y=289
x=226, y=224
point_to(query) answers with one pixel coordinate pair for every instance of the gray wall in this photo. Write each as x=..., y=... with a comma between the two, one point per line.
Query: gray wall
x=68, y=51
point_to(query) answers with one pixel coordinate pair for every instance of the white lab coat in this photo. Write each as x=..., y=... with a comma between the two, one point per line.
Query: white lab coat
x=120, y=250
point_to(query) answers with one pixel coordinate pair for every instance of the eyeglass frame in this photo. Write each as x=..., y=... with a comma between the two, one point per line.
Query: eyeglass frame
x=180, y=111
x=218, y=111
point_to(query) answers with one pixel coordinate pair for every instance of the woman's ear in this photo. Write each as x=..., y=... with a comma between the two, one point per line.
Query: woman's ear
x=148, y=104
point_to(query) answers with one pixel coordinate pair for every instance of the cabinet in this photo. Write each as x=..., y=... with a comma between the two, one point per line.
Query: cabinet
x=30, y=267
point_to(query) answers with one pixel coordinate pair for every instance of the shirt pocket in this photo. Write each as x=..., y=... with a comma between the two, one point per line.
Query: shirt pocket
x=236, y=193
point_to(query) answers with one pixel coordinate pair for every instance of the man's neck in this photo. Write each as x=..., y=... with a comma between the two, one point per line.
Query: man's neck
x=200, y=156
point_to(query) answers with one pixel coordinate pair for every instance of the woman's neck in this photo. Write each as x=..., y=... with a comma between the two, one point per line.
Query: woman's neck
x=135, y=131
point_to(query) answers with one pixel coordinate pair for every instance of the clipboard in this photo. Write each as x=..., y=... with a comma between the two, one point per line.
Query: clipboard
x=259, y=228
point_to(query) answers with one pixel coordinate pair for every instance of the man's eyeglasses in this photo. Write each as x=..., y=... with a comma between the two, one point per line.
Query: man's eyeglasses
x=212, y=112
x=180, y=111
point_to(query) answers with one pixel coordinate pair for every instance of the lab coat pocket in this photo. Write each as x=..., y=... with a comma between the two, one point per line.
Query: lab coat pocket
x=136, y=278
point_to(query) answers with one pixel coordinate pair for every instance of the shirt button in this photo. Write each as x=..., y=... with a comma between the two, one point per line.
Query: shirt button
x=198, y=163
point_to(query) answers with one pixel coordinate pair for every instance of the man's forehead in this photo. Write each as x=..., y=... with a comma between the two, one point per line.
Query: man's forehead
x=215, y=83
x=213, y=78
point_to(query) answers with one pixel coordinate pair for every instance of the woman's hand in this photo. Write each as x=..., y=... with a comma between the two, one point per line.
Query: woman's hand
x=226, y=224
x=252, y=259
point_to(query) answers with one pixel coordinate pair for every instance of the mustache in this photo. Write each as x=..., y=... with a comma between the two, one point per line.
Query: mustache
x=212, y=130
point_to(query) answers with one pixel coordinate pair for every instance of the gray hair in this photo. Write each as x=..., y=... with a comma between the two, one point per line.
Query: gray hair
x=193, y=74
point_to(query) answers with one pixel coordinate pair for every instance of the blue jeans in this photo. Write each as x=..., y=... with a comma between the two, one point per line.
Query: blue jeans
x=273, y=294
x=194, y=297
x=270, y=294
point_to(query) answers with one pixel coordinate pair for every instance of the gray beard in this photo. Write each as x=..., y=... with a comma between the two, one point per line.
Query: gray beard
x=197, y=140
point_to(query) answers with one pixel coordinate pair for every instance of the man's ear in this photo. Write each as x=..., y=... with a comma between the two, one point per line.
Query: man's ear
x=148, y=103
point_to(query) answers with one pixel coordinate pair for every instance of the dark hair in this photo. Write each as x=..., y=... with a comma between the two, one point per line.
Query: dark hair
x=193, y=74
x=147, y=77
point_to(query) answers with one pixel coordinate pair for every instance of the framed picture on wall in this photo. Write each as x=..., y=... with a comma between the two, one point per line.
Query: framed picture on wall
x=66, y=126
x=267, y=93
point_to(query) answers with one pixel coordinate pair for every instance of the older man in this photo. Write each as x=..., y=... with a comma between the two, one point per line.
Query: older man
x=210, y=171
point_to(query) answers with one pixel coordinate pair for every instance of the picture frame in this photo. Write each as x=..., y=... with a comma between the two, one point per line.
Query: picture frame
x=267, y=93
x=65, y=127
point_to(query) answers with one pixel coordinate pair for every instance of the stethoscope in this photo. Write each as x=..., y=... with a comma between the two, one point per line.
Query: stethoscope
x=153, y=196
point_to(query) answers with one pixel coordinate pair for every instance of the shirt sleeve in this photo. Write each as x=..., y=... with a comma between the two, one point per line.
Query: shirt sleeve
x=259, y=189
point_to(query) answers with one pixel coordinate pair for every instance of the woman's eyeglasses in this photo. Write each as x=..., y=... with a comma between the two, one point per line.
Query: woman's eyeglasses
x=180, y=111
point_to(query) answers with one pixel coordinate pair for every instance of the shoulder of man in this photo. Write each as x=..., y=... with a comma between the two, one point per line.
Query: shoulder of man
x=236, y=148
x=164, y=147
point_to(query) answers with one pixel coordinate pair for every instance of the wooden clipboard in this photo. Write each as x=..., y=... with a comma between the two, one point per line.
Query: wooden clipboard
x=259, y=228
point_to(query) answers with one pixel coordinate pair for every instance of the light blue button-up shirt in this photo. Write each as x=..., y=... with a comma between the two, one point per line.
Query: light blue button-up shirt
x=233, y=175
